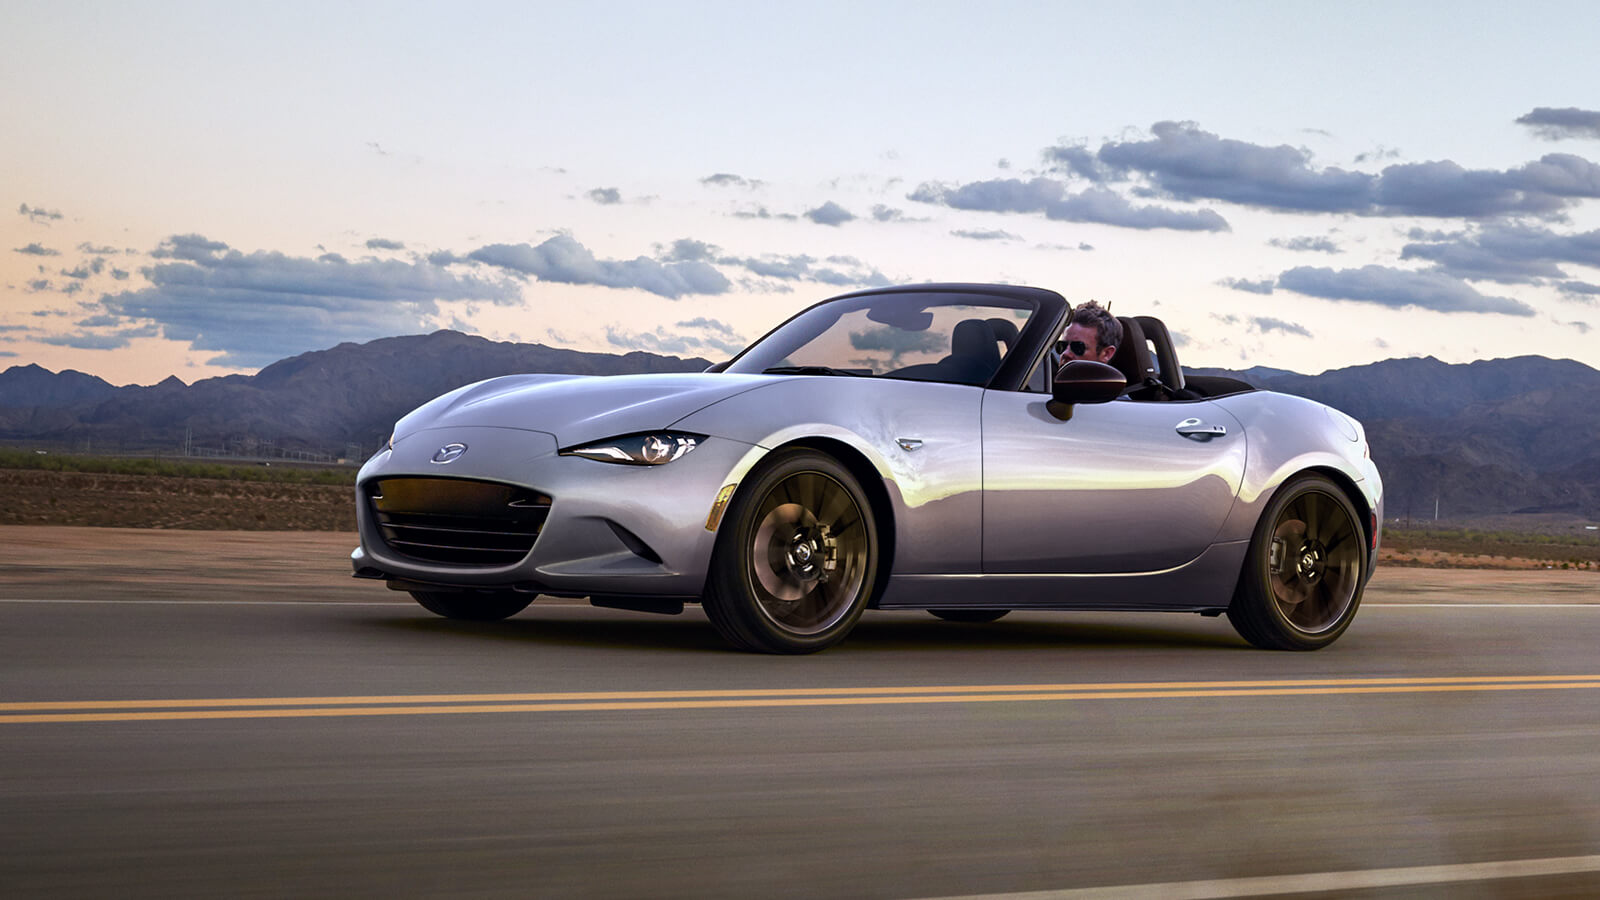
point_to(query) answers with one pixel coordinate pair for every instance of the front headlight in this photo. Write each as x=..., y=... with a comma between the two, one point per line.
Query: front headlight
x=649, y=449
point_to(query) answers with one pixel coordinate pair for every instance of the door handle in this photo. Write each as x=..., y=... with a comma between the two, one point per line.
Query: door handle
x=1200, y=431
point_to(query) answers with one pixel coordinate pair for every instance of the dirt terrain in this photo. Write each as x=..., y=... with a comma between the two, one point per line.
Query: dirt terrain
x=34, y=497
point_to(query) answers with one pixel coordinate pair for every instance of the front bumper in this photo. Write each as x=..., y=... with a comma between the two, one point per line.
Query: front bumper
x=612, y=530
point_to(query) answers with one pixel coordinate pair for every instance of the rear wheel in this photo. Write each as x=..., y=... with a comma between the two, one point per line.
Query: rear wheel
x=475, y=606
x=797, y=557
x=969, y=615
x=1303, y=577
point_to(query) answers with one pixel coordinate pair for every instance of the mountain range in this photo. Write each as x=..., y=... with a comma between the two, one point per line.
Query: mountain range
x=1488, y=437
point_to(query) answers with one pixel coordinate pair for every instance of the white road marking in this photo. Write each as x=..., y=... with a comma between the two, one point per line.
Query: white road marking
x=1513, y=605
x=1317, y=882
x=396, y=602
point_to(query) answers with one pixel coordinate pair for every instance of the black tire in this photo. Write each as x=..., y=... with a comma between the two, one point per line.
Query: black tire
x=1305, y=571
x=969, y=615
x=473, y=606
x=796, y=559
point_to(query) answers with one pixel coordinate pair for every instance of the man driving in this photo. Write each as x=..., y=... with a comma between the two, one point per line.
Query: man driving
x=1093, y=333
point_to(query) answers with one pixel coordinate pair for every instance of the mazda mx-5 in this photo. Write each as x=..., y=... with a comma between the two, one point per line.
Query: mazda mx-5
x=918, y=447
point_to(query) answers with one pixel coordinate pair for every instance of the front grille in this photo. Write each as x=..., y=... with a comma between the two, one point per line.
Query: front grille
x=456, y=521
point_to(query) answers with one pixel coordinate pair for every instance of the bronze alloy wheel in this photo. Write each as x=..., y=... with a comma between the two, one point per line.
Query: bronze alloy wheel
x=796, y=559
x=1305, y=571
x=1314, y=562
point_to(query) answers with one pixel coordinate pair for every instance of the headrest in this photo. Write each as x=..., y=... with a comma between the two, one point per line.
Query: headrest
x=1133, y=358
x=1166, y=354
x=973, y=339
x=1005, y=330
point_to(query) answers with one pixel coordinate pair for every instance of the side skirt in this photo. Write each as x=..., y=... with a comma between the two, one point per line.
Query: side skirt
x=1202, y=584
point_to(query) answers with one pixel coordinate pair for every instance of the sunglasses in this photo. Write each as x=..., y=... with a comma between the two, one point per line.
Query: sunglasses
x=1078, y=348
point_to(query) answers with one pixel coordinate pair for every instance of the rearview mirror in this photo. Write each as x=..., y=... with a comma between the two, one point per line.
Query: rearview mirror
x=1083, y=381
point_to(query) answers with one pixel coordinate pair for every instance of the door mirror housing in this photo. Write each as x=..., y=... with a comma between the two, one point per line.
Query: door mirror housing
x=1084, y=381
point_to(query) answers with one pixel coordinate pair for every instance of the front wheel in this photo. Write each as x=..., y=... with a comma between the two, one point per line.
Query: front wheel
x=1306, y=568
x=473, y=606
x=797, y=557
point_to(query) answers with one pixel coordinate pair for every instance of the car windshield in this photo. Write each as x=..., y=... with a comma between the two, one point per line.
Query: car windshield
x=955, y=338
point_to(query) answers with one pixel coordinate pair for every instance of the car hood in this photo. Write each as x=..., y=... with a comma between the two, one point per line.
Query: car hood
x=578, y=409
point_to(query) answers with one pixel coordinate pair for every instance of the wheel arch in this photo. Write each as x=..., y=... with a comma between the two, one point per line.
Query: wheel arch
x=1354, y=493
x=871, y=481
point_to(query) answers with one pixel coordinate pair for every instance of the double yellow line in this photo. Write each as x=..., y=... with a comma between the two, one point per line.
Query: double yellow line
x=37, y=712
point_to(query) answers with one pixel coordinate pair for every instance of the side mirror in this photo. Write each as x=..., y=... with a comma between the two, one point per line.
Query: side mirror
x=1083, y=381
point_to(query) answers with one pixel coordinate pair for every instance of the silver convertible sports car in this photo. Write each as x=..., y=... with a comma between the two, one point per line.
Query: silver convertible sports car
x=911, y=447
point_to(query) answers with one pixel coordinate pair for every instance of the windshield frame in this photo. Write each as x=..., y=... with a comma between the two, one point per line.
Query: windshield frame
x=1047, y=312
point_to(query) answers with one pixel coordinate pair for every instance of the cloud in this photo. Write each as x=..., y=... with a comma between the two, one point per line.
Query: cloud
x=830, y=213
x=1445, y=189
x=1005, y=195
x=896, y=342
x=1263, y=286
x=563, y=260
x=605, y=196
x=1397, y=288
x=1579, y=327
x=1581, y=291
x=1510, y=254
x=985, y=235
x=1036, y=195
x=86, y=341
x=1077, y=160
x=1106, y=207
x=885, y=213
x=36, y=249
x=191, y=247
x=1189, y=163
x=39, y=214
x=708, y=342
x=1307, y=244
x=726, y=179
x=1184, y=162
x=1265, y=324
x=384, y=244
x=37, y=285
x=716, y=326
x=119, y=274
x=255, y=308
x=8, y=353
x=688, y=249
x=89, y=248
x=1568, y=122
x=840, y=270
x=761, y=212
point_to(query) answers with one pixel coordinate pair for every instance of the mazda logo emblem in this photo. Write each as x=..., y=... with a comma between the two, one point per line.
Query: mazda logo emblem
x=449, y=453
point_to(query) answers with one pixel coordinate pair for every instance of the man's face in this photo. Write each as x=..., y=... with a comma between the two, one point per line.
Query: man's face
x=1090, y=340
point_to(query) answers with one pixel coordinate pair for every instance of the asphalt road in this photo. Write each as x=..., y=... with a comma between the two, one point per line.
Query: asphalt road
x=360, y=749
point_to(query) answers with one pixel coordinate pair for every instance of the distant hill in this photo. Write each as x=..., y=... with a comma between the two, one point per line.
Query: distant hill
x=316, y=402
x=1494, y=436
x=1498, y=435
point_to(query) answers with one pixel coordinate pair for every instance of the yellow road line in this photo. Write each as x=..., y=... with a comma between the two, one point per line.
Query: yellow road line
x=441, y=704
x=774, y=692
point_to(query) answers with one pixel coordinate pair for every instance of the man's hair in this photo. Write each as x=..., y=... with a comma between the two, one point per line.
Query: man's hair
x=1107, y=330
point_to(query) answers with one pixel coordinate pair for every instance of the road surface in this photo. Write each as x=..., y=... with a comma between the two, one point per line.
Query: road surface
x=170, y=737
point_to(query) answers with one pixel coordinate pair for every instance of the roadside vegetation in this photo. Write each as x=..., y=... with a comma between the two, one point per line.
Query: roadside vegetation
x=1576, y=549
x=176, y=467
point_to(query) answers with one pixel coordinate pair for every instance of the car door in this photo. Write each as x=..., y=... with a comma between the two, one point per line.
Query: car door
x=1119, y=487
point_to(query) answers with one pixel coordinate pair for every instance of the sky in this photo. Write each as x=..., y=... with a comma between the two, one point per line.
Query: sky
x=203, y=189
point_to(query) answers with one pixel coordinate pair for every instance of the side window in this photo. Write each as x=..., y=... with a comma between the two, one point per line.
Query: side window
x=1039, y=379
